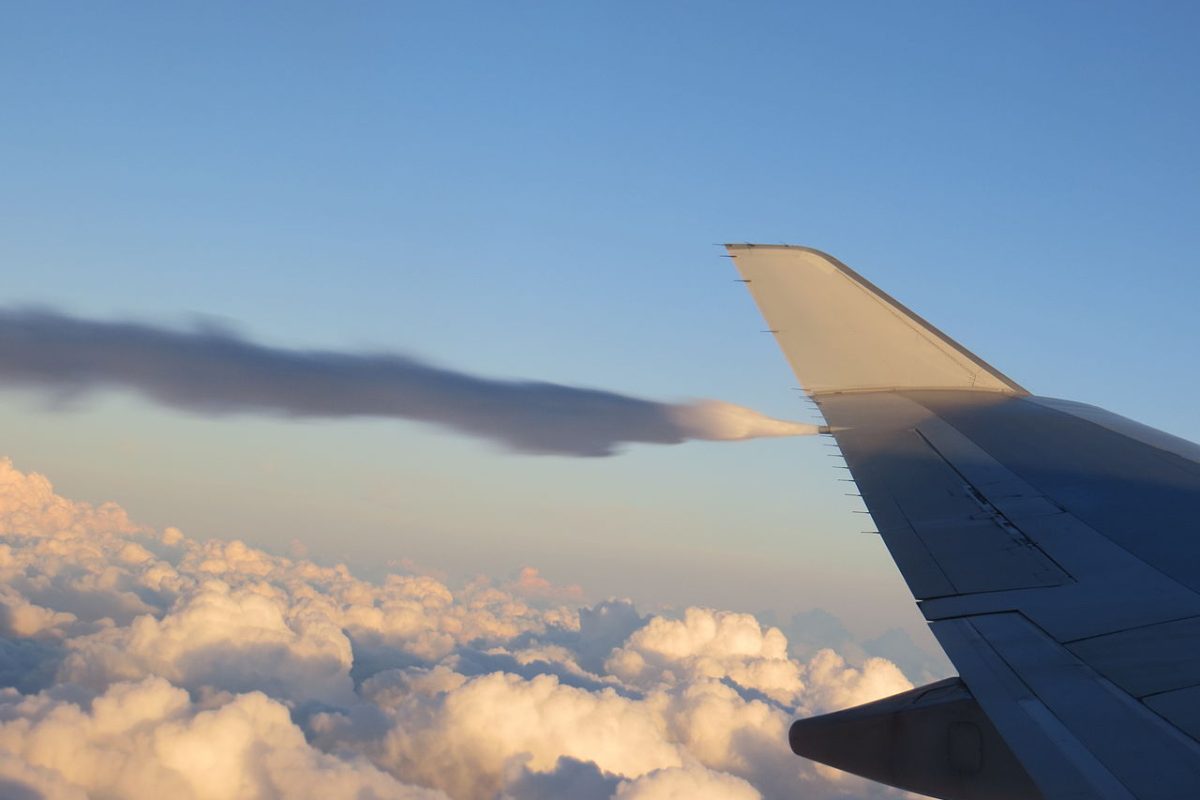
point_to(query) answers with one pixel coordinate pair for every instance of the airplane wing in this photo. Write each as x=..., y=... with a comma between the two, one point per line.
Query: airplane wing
x=1053, y=547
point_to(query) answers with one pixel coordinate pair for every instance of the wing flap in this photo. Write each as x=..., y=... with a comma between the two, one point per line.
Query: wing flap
x=1061, y=765
x=1149, y=660
x=1149, y=758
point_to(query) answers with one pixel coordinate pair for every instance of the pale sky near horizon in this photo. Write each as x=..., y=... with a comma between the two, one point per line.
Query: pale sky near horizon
x=534, y=190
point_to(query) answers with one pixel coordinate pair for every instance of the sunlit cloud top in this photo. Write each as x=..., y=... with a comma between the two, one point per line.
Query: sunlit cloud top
x=145, y=664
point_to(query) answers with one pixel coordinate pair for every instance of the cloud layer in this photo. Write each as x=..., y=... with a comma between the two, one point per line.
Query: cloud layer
x=145, y=664
x=215, y=372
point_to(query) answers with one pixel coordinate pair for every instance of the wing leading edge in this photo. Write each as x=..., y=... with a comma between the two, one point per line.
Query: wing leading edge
x=1047, y=543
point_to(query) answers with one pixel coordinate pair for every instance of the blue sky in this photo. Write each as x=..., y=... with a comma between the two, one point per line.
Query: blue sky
x=534, y=190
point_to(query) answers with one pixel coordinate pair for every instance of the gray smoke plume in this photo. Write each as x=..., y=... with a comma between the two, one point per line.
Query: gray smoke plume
x=216, y=372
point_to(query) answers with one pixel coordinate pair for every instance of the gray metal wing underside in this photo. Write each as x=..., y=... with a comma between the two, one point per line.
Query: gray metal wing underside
x=1052, y=546
x=1056, y=561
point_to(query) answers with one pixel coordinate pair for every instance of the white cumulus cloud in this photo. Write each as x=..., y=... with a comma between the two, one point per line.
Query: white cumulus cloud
x=687, y=784
x=143, y=664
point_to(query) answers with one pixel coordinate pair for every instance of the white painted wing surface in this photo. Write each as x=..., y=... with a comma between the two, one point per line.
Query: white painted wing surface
x=1053, y=547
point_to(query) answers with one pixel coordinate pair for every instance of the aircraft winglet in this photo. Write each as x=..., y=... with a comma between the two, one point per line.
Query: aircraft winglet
x=842, y=334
